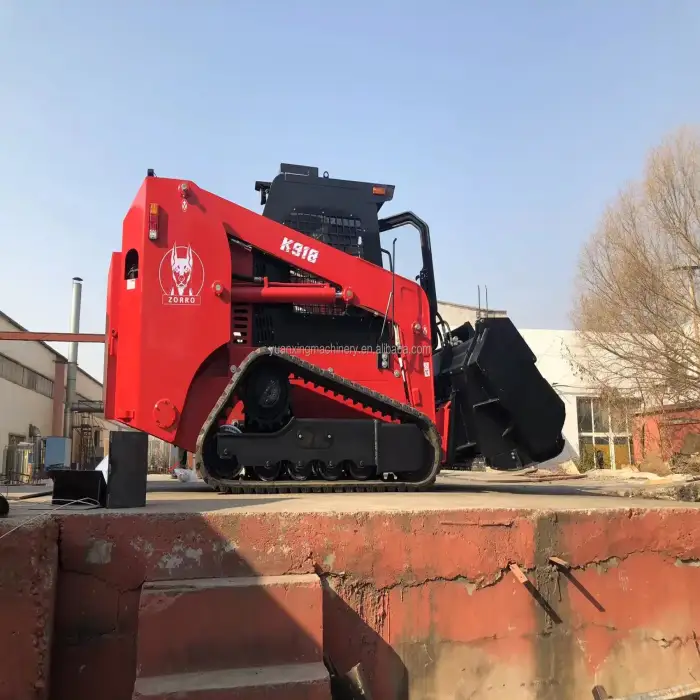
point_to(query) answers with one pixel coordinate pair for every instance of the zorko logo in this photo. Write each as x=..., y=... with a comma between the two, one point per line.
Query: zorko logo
x=299, y=251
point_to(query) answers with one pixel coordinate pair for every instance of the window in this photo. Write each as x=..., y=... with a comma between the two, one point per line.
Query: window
x=585, y=416
x=14, y=372
x=604, y=431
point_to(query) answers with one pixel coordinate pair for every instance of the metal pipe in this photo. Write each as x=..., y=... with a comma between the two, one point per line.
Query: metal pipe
x=89, y=407
x=53, y=337
x=280, y=294
x=59, y=395
x=72, y=359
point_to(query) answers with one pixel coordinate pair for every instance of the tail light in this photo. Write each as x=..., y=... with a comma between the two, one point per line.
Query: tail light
x=153, y=216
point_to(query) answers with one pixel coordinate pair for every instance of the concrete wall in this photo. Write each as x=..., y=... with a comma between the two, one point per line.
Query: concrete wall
x=425, y=600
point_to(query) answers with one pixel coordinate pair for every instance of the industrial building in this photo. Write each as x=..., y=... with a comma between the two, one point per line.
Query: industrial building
x=32, y=391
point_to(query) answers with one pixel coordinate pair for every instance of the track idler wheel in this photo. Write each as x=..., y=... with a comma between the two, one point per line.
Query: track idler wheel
x=226, y=467
x=359, y=472
x=328, y=471
x=301, y=471
x=268, y=472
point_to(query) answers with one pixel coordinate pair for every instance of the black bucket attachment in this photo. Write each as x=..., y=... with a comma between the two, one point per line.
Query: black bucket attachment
x=502, y=409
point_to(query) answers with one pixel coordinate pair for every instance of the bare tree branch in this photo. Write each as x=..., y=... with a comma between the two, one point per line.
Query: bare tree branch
x=635, y=308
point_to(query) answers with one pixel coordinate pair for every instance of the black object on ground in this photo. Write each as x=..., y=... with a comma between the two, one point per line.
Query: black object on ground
x=128, y=467
x=79, y=487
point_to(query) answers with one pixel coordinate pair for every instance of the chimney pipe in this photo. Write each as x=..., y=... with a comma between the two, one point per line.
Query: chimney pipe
x=72, y=372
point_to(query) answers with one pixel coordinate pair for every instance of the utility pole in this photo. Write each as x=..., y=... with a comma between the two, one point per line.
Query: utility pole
x=72, y=359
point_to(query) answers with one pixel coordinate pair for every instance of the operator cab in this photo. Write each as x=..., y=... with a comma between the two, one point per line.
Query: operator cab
x=344, y=214
x=340, y=213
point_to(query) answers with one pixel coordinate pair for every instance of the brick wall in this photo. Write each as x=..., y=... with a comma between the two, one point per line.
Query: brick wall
x=662, y=434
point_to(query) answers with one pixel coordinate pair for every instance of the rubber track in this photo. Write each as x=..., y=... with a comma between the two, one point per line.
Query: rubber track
x=340, y=386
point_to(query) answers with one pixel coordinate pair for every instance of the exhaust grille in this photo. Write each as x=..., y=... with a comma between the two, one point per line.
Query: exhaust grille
x=342, y=232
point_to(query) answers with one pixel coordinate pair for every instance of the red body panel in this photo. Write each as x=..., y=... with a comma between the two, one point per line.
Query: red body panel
x=175, y=330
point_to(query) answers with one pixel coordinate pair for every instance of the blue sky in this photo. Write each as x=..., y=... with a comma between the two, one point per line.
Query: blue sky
x=507, y=125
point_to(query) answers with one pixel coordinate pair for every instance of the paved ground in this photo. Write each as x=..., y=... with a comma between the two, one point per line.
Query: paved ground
x=453, y=491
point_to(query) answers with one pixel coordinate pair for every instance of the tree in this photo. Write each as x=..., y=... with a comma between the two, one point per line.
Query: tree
x=635, y=307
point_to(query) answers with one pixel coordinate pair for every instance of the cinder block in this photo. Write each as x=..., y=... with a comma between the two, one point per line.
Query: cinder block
x=227, y=623
x=288, y=682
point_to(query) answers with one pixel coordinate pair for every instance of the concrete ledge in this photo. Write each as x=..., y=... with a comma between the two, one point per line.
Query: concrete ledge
x=299, y=681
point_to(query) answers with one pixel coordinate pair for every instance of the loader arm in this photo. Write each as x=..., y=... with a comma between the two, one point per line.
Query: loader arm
x=359, y=282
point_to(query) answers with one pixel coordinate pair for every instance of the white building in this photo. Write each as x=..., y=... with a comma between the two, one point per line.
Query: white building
x=32, y=391
x=589, y=427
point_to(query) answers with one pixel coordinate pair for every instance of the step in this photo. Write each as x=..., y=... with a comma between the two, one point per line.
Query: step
x=199, y=625
x=287, y=682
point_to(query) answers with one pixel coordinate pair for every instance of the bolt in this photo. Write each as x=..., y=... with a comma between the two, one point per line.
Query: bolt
x=329, y=436
x=233, y=368
x=397, y=374
x=300, y=436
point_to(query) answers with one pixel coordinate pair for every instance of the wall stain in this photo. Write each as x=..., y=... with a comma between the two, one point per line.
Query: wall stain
x=555, y=645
